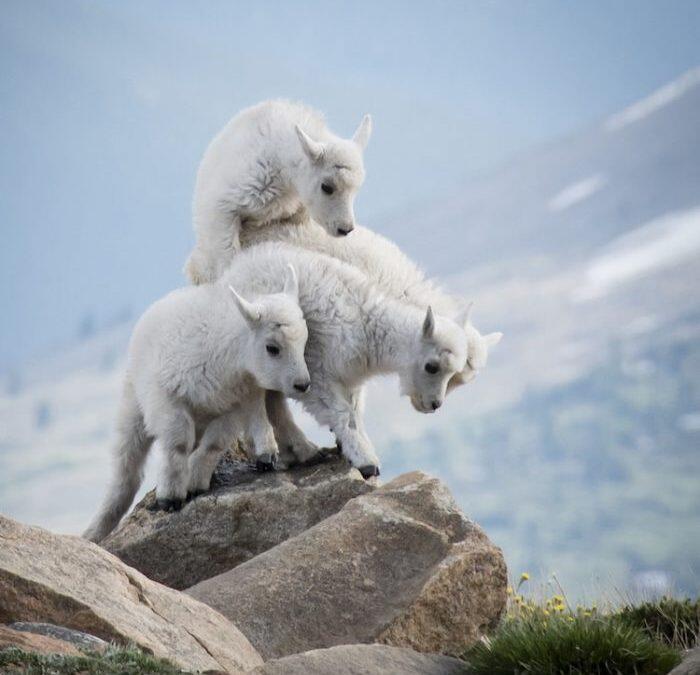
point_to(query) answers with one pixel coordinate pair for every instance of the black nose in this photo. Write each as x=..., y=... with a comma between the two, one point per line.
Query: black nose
x=344, y=231
x=436, y=404
x=302, y=386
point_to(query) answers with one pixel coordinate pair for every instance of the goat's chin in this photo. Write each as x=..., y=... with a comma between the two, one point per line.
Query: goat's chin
x=331, y=231
x=419, y=407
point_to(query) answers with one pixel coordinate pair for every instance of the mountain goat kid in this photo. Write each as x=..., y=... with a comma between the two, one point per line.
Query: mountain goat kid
x=392, y=271
x=199, y=360
x=272, y=161
x=355, y=332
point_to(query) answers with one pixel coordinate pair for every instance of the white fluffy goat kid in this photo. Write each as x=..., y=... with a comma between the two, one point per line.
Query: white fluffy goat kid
x=198, y=362
x=355, y=332
x=396, y=275
x=392, y=271
x=270, y=162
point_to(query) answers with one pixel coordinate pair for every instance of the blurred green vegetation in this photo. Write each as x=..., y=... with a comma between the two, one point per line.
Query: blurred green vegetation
x=597, y=480
x=115, y=661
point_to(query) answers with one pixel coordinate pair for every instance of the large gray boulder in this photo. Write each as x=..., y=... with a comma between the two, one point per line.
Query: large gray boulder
x=363, y=660
x=70, y=582
x=246, y=513
x=400, y=565
x=690, y=664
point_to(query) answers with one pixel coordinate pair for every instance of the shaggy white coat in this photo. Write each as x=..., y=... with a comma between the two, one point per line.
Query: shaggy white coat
x=355, y=331
x=199, y=360
x=395, y=274
x=272, y=161
x=391, y=270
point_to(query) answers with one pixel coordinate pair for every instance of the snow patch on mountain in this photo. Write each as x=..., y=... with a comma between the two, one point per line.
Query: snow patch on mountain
x=576, y=192
x=654, y=102
x=665, y=241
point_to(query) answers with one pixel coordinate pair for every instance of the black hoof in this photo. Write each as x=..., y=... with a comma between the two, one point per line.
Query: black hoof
x=194, y=494
x=168, y=505
x=368, y=471
x=266, y=462
x=339, y=445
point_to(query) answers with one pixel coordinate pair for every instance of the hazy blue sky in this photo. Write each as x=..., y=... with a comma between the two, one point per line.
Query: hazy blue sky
x=105, y=109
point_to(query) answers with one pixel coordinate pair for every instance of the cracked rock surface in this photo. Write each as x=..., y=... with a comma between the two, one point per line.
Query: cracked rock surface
x=400, y=565
x=67, y=581
x=246, y=513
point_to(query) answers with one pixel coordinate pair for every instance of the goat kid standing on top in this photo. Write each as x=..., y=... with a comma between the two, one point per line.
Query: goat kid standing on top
x=271, y=162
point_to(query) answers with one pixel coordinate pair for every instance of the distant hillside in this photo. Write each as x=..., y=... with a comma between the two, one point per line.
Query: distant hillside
x=565, y=201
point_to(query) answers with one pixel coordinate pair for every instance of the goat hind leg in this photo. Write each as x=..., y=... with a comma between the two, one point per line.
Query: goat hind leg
x=218, y=435
x=177, y=438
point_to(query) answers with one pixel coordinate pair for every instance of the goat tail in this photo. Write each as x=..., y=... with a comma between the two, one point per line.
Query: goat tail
x=129, y=456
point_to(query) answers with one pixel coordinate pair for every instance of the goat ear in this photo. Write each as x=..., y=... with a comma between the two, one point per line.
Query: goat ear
x=291, y=282
x=313, y=149
x=492, y=339
x=463, y=316
x=429, y=324
x=247, y=309
x=364, y=131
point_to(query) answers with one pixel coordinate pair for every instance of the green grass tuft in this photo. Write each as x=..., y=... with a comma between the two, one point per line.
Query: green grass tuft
x=675, y=622
x=571, y=645
x=115, y=661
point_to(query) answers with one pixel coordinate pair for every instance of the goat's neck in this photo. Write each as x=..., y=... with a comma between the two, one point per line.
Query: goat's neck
x=392, y=328
x=231, y=340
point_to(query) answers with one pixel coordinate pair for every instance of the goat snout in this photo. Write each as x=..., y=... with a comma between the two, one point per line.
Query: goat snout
x=302, y=386
x=345, y=229
x=435, y=404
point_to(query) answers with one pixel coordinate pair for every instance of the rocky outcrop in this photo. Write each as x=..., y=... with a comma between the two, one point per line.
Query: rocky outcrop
x=245, y=514
x=38, y=644
x=400, y=565
x=70, y=582
x=361, y=660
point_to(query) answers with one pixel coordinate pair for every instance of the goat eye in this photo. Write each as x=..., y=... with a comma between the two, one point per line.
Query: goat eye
x=272, y=350
x=431, y=368
x=327, y=188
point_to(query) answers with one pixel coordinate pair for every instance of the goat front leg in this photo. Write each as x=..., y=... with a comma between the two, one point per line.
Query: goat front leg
x=357, y=423
x=357, y=398
x=293, y=445
x=217, y=437
x=218, y=240
x=337, y=407
x=175, y=432
x=260, y=431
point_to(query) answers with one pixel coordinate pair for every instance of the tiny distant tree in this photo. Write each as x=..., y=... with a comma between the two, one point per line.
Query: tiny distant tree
x=87, y=326
x=13, y=383
x=42, y=415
